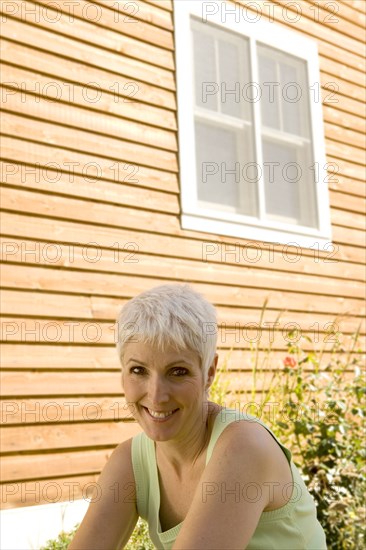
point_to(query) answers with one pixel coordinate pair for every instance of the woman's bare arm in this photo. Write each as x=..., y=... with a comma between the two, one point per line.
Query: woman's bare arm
x=111, y=518
x=221, y=514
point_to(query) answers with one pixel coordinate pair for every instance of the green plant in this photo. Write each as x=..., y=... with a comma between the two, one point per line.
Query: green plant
x=62, y=541
x=139, y=539
x=322, y=413
x=315, y=403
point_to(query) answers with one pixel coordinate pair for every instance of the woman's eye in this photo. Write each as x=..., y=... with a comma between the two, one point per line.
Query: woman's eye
x=180, y=371
x=136, y=370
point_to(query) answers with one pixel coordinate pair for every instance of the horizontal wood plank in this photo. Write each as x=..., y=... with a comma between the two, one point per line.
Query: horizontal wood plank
x=344, y=11
x=357, y=237
x=57, y=22
x=337, y=89
x=99, y=213
x=345, y=151
x=56, y=91
x=57, y=183
x=343, y=88
x=90, y=167
x=39, y=357
x=344, y=135
x=164, y=4
x=337, y=16
x=100, y=308
x=61, y=410
x=335, y=52
x=350, y=203
x=73, y=357
x=155, y=15
x=123, y=20
x=349, y=35
x=74, y=73
x=344, y=218
x=42, y=466
x=344, y=119
x=72, y=116
x=109, y=287
x=87, y=54
x=215, y=265
x=344, y=174
x=19, y=200
x=86, y=434
x=357, y=5
x=86, y=142
x=53, y=384
x=211, y=248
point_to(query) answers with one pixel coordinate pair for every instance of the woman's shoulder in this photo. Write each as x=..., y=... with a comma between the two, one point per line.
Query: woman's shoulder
x=243, y=430
x=240, y=433
x=122, y=456
x=231, y=421
x=250, y=449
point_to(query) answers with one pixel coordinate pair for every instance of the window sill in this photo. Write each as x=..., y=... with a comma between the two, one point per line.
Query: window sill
x=298, y=236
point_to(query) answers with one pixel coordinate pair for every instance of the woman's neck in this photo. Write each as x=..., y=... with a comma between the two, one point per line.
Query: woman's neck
x=182, y=456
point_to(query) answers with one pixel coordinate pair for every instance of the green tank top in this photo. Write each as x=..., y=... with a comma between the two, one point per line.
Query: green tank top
x=294, y=526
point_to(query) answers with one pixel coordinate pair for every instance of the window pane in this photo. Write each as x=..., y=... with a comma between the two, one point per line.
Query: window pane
x=289, y=184
x=205, y=77
x=282, y=195
x=216, y=154
x=295, y=98
x=229, y=78
x=270, y=107
x=285, y=91
x=226, y=174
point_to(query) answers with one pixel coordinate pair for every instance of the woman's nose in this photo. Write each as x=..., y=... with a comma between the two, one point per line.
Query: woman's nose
x=158, y=390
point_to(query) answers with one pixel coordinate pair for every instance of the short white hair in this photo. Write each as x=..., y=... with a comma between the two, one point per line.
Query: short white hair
x=170, y=315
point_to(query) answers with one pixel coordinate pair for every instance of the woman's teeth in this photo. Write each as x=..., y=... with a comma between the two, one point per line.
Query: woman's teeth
x=160, y=414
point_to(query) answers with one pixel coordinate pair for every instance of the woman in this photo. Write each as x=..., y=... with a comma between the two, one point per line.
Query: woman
x=203, y=476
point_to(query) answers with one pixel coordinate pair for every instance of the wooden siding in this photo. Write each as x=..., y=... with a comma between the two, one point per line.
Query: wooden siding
x=90, y=199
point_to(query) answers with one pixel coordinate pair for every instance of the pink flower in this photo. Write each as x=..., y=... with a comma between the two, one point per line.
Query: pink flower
x=289, y=362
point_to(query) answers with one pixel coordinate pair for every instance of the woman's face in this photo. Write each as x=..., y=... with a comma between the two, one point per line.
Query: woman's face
x=169, y=383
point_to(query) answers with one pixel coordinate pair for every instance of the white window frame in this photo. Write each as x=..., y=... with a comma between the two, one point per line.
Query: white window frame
x=204, y=219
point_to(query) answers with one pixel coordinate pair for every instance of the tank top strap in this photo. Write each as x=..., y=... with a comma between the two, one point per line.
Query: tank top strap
x=142, y=463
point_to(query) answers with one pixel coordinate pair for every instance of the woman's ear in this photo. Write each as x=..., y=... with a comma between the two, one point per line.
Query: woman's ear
x=212, y=371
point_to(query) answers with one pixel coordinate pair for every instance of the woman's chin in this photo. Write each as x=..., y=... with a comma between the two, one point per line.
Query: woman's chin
x=158, y=428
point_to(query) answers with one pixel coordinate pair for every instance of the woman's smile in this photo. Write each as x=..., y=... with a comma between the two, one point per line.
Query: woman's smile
x=160, y=416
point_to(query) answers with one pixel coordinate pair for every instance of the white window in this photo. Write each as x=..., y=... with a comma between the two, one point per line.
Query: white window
x=251, y=137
